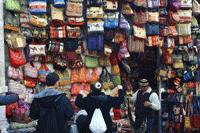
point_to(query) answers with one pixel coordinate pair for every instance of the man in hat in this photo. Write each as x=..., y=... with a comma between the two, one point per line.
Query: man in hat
x=146, y=102
x=52, y=108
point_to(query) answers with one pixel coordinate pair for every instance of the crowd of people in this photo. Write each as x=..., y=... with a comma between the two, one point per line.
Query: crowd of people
x=53, y=109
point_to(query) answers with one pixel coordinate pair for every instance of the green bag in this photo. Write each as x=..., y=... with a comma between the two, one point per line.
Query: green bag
x=117, y=80
x=91, y=61
x=13, y=5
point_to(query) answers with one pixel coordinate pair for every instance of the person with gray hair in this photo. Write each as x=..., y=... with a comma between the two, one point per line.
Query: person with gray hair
x=97, y=99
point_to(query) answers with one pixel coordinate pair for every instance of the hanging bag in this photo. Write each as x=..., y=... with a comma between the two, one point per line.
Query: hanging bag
x=91, y=61
x=106, y=79
x=74, y=9
x=15, y=40
x=14, y=73
x=38, y=7
x=30, y=70
x=64, y=78
x=196, y=7
x=111, y=20
x=195, y=118
x=59, y=3
x=13, y=5
x=16, y=58
x=57, y=29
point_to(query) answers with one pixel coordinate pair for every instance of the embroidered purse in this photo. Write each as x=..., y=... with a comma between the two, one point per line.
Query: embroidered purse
x=13, y=5
x=196, y=7
x=39, y=21
x=57, y=29
x=73, y=32
x=37, y=48
x=184, y=29
x=55, y=47
x=139, y=17
x=95, y=26
x=152, y=29
x=38, y=7
x=139, y=32
x=111, y=20
x=30, y=71
x=186, y=3
x=91, y=62
x=153, y=3
x=57, y=13
x=75, y=21
x=95, y=12
x=14, y=73
x=106, y=79
x=185, y=15
x=135, y=45
x=111, y=5
x=152, y=16
x=15, y=40
x=16, y=58
x=59, y=3
x=95, y=42
x=74, y=9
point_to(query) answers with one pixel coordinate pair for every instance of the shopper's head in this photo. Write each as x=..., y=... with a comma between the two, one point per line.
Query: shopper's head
x=96, y=86
x=52, y=79
x=144, y=84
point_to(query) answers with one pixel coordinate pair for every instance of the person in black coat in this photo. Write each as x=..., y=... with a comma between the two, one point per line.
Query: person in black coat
x=10, y=98
x=97, y=99
x=52, y=108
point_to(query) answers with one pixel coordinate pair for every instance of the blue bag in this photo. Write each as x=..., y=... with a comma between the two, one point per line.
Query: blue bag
x=95, y=42
x=152, y=29
x=59, y=3
x=111, y=20
x=38, y=7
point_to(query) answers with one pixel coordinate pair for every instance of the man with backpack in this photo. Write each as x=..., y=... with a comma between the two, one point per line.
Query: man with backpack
x=146, y=103
x=98, y=103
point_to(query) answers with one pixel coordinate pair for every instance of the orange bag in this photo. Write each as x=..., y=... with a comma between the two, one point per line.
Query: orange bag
x=87, y=88
x=76, y=88
x=83, y=72
x=74, y=76
x=94, y=77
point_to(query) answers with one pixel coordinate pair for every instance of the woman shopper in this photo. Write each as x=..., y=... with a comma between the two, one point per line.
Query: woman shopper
x=97, y=99
x=52, y=108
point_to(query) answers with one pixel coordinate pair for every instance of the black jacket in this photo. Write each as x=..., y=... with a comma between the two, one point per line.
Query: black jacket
x=8, y=99
x=52, y=109
x=97, y=99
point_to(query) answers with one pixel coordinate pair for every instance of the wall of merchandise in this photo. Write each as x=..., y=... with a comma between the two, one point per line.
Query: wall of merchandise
x=116, y=42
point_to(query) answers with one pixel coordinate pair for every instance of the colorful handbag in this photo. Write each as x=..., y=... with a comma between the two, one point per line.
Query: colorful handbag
x=115, y=69
x=36, y=50
x=106, y=79
x=111, y=5
x=185, y=39
x=73, y=32
x=13, y=5
x=16, y=87
x=95, y=42
x=30, y=71
x=14, y=73
x=186, y=3
x=111, y=20
x=195, y=7
x=57, y=13
x=154, y=41
x=91, y=62
x=15, y=40
x=152, y=16
x=104, y=61
x=172, y=31
x=152, y=29
x=64, y=78
x=175, y=4
x=38, y=21
x=123, y=23
x=94, y=77
x=57, y=29
x=135, y=45
x=95, y=12
x=74, y=76
x=30, y=82
x=153, y=3
x=76, y=88
x=16, y=58
x=59, y=3
x=126, y=9
x=95, y=2
x=185, y=15
x=38, y=7
x=116, y=80
x=184, y=29
x=55, y=47
x=37, y=32
x=139, y=17
x=75, y=21
x=24, y=20
x=95, y=26
x=11, y=21
x=139, y=32
x=177, y=61
x=83, y=73
x=74, y=9
x=140, y=3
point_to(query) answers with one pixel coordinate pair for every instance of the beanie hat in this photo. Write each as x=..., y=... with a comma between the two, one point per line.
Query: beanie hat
x=96, y=86
x=51, y=79
x=144, y=82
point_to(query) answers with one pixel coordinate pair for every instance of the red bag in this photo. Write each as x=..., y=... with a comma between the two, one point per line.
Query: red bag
x=16, y=58
x=113, y=58
x=57, y=29
x=30, y=82
x=9, y=109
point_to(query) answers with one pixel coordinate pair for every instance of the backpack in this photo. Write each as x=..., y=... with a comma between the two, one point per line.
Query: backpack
x=97, y=124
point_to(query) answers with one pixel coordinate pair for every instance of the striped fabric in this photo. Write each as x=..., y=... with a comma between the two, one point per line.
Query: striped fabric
x=38, y=7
